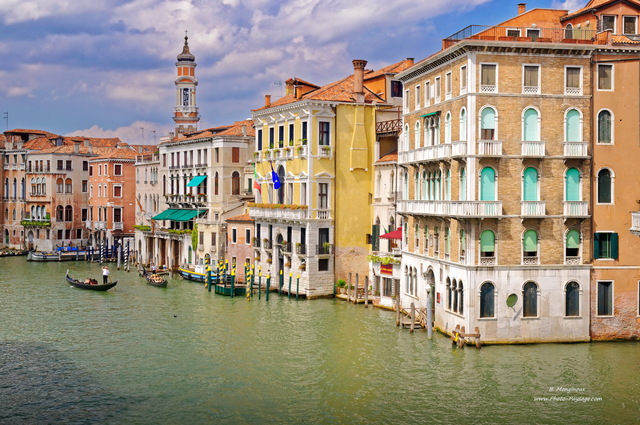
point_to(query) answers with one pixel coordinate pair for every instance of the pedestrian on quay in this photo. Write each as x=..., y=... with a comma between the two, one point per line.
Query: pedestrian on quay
x=105, y=275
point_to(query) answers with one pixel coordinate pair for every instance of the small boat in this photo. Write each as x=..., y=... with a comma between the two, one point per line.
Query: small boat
x=93, y=287
x=12, y=253
x=59, y=255
x=153, y=278
x=198, y=275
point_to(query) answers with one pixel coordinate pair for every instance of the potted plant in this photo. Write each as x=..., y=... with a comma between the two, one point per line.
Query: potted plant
x=269, y=260
x=342, y=285
x=303, y=142
x=326, y=248
x=326, y=149
x=287, y=264
x=303, y=266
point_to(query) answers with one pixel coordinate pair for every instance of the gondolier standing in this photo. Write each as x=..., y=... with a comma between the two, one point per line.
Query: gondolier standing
x=105, y=274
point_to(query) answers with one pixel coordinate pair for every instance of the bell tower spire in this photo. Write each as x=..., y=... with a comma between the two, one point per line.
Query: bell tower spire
x=185, y=113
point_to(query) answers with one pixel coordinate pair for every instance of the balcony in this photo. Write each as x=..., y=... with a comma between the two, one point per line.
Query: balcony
x=532, y=208
x=302, y=150
x=389, y=127
x=521, y=34
x=532, y=149
x=118, y=226
x=278, y=212
x=572, y=261
x=285, y=247
x=576, y=209
x=479, y=209
x=324, y=151
x=531, y=90
x=490, y=147
x=99, y=225
x=301, y=249
x=256, y=242
x=429, y=153
x=531, y=260
x=488, y=261
x=635, y=223
x=324, y=249
x=266, y=244
x=459, y=149
x=575, y=149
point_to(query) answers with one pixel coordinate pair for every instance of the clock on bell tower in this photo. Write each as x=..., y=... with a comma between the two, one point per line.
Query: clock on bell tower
x=185, y=113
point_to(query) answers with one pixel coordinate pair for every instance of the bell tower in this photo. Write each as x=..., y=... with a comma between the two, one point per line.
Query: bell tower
x=185, y=113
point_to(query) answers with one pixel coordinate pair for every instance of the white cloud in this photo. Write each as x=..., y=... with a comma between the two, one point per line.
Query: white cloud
x=136, y=133
x=16, y=11
x=570, y=5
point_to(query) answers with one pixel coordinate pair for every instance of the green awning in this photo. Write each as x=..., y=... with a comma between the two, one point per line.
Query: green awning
x=430, y=114
x=164, y=215
x=196, y=181
x=176, y=214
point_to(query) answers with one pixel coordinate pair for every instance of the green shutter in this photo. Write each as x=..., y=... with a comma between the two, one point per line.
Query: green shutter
x=573, y=126
x=531, y=125
x=573, y=239
x=596, y=245
x=488, y=118
x=530, y=184
x=530, y=241
x=375, y=237
x=614, y=246
x=572, y=185
x=487, y=184
x=487, y=241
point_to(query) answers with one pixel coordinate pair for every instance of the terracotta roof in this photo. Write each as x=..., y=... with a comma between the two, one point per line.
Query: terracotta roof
x=390, y=69
x=118, y=153
x=296, y=80
x=94, y=141
x=234, y=129
x=391, y=157
x=623, y=39
x=595, y=4
x=39, y=143
x=243, y=217
x=44, y=133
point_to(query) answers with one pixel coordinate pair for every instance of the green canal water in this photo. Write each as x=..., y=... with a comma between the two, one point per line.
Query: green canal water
x=181, y=355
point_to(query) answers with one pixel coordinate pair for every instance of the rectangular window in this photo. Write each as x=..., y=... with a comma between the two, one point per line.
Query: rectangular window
x=259, y=139
x=291, y=133
x=235, y=154
x=406, y=101
x=448, y=85
x=531, y=79
x=91, y=191
x=271, y=137
x=323, y=265
x=304, y=130
x=418, y=97
x=512, y=32
x=68, y=165
x=117, y=215
x=323, y=193
x=605, y=298
x=247, y=236
x=488, y=78
x=463, y=79
x=533, y=33
x=323, y=133
x=396, y=89
x=573, y=80
x=281, y=136
x=99, y=191
x=605, y=245
x=84, y=214
x=629, y=25
x=85, y=165
x=99, y=169
x=436, y=89
x=117, y=191
x=117, y=169
x=605, y=77
x=213, y=240
x=60, y=164
x=234, y=235
x=427, y=93
x=608, y=23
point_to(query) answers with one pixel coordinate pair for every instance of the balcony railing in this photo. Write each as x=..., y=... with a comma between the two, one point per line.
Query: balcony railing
x=301, y=248
x=530, y=260
x=285, y=247
x=576, y=208
x=429, y=153
x=575, y=149
x=522, y=34
x=532, y=208
x=490, y=147
x=324, y=249
x=532, y=149
x=572, y=261
x=278, y=213
x=451, y=208
x=118, y=226
x=266, y=244
x=458, y=149
x=391, y=126
x=488, y=261
x=256, y=242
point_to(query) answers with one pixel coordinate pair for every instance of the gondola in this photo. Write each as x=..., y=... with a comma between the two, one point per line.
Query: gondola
x=82, y=285
x=153, y=279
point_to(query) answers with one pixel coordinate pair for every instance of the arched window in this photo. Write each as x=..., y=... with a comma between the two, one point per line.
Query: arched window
x=68, y=213
x=463, y=184
x=463, y=245
x=530, y=125
x=487, y=243
x=454, y=290
x=605, y=187
x=416, y=185
x=447, y=241
x=59, y=185
x=487, y=124
x=460, y=298
x=463, y=124
x=568, y=31
x=488, y=184
x=59, y=213
x=416, y=135
x=572, y=244
x=447, y=185
x=447, y=128
x=530, y=244
x=68, y=187
x=235, y=183
x=530, y=184
x=572, y=185
x=604, y=127
x=572, y=299
x=425, y=186
x=530, y=300
x=405, y=186
x=405, y=137
x=438, y=187
x=487, y=300
x=449, y=294
x=15, y=188
x=573, y=127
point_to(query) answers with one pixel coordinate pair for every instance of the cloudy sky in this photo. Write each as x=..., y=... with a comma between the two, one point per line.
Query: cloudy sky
x=106, y=68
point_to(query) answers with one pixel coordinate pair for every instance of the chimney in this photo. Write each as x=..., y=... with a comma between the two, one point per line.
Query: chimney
x=76, y=147
x=410, y=61
x=358, y=77
x=267, y=100
x=244, y=129
x=522, y=7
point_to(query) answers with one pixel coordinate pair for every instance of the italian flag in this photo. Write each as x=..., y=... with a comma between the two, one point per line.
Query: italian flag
x=256, y=185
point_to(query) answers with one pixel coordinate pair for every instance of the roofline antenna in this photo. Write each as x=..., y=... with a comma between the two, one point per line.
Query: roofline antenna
x=5, y=115
x=278, y=83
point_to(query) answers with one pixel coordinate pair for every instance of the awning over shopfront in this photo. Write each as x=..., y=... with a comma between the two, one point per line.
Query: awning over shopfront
x=430, y=114
x=396, y=234
x=178, y=214
x=196, y=181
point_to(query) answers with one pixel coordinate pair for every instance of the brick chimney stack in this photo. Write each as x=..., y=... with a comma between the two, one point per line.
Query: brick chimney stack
x=522, y=7
x=267, y=100
x=358, y=79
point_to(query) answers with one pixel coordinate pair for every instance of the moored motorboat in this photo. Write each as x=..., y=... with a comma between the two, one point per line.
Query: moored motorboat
x=12, y=253
x=93, y=285
x=59, y=255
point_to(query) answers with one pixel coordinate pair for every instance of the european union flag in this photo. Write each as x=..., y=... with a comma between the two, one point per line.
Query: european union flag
x=275, y=178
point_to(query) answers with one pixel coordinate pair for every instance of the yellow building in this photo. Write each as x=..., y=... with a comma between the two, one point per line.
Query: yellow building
x=320, y=142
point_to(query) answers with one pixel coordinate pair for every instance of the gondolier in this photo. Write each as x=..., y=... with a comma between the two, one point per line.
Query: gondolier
x=105, y=275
